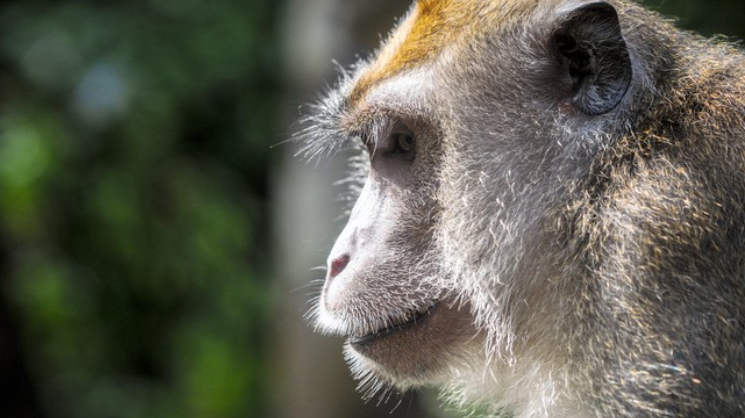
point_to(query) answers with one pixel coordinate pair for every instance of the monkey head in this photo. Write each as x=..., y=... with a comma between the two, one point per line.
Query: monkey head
x=465, y=119
x=490, y=133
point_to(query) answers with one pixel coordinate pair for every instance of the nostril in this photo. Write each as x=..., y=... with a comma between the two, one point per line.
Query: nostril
x=337, y=265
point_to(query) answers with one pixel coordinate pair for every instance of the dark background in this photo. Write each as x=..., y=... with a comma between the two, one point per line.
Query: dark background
x=157, y=237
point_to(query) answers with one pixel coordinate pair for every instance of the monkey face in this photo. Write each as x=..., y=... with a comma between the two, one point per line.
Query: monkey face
x=383, y=288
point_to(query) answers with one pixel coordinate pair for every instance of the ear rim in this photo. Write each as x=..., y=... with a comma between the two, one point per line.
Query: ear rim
x=598, y=63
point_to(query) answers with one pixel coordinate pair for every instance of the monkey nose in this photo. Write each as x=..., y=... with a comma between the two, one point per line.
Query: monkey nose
x=337, y=265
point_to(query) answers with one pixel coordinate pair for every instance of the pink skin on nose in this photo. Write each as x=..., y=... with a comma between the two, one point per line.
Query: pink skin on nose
x=337, y=266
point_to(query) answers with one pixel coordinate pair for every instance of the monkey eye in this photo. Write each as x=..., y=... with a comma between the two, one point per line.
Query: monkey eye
x=395, y=140
x=403, y=143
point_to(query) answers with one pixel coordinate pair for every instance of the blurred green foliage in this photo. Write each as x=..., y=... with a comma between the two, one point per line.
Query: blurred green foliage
x=707, y=17
x=134, y=141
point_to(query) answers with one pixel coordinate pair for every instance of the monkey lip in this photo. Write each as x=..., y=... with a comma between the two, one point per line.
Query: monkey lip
x=412, y=319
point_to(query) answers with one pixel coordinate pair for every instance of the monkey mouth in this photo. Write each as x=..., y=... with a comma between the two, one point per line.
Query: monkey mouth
x=411, y=319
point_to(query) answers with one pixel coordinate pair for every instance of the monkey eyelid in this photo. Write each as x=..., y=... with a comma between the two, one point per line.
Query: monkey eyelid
x=372, y=116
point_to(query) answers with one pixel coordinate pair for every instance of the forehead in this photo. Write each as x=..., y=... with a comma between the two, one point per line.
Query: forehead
x=431, y=27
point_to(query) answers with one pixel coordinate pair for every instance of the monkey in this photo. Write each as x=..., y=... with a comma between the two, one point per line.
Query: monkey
x=550, y=212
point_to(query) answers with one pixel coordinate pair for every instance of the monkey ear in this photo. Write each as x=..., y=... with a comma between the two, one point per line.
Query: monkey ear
x=595, y=56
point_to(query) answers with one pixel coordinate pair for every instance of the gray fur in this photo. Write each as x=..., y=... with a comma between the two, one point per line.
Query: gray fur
x=586, y=265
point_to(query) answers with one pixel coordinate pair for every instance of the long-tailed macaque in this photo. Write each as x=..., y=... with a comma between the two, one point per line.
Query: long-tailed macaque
x=551, y=221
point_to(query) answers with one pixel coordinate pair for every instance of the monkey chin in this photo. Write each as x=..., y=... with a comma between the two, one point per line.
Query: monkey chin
x=416, y=352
